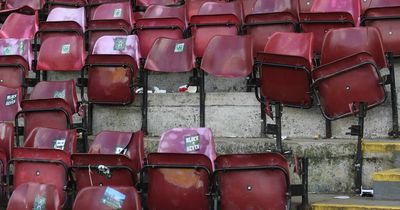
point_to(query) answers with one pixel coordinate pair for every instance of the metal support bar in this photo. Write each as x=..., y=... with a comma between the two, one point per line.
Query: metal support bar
x=328, y=129
x=202, y=100
x=276, y=129
x=90, y=119
x=263, y=119
x=145, y=97
x=393, y=94
x=304, y=181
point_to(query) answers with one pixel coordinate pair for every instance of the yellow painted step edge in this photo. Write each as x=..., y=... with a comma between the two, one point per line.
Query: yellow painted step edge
x=381, y=146
x=392, y=175
x=323, y=206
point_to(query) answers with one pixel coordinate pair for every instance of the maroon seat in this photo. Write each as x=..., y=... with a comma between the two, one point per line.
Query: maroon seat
x=51, y=4
x=112, y=70
x=124, y=198
x=6, y=148
x=212, y=19
x=160, y=21
x=111, y=19
x=51, y=105
x=24, y=6
x=263, y=18
x=285, y=72
x=32, y=195
x=252, y=181
x=62, y=45
x=42, y=166
x=385, y=15
x=27, y=26
x=326, y=15
x=11, y=101
x=48, y=138
x=183, y=178
x=349, y=73
x=114, y=159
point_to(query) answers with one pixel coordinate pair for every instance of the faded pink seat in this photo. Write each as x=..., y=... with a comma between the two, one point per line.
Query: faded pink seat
x=28, y=25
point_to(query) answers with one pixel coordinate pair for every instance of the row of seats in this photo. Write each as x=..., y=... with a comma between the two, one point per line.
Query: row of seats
x=185, y=173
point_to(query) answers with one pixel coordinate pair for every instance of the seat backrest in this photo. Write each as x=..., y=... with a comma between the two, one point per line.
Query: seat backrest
x=103, y=198
x=6, y=141
x=57, y=89
x=48, y=138
x=114, y=11
x=10, y=103
x=34, y=4
x=267, y=9
x=252, y=181
x=33, y=195
x=341, y=43
x=235, y=56
x=183, y=188
x=188, y=140
x=21, y=47
x=118, y=45
x=179, y=53
x=44, y=166
x=28, y=26
x=193, y=6
x=351, y=7
x=60, y=14
x=160, y=11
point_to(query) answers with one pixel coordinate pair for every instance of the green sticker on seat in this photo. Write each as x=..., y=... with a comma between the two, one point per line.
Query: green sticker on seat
x=118, y=13
x=21, y=47
x=39, y=203
x=7, y=51
x=11, y=99
x=65, y=49
x=179, y=47
x=59, y=94
x=192, y=143
x=113, y=198
x=119, y=44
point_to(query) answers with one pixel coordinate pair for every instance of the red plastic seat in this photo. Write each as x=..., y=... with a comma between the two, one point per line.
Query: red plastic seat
x=212, y=19
x=326, y=15
x=6, y=148
x=112, y=69
x=349, y=73
x=31, y=195
x=51, y=4
x=42, y=166
x=263, y=18
x=147, y=3
x=28, y=25
x=385, y=16
x=11, y=100
x=160, y=21
x=183, y=178
x=110, y=19
x=285, y=73
x=365, y=4
x=125, y=198
x=235, y=56
x=252, y=181
x=16, y=57
x=188, y=140
x=114, y=159
x=23, y=6
x=48, y=138
x=62, y=40
x=51, y=105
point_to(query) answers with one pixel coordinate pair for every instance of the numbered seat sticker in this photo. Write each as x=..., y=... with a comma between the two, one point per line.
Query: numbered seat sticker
x=113, y=198
x=11, y=99
x=192, y=143
x=59, y=144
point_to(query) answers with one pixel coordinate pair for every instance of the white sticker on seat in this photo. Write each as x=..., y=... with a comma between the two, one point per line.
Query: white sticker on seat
x=179, y=47
x=59, y=144
x=11, y=99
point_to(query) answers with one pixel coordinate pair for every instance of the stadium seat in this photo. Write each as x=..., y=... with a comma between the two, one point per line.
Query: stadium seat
x=326, y=15
x=41, y=166
x=109, y=19
x=16, y=57
x=234, y=60
x=10, y=103
x=252, y=181
x=51, y=105
x=285, y=69
x=349, y=72
x=114, y=159
x=180, y=59
x=62, y=45
x=6, y=148
x=32, y=195
x=263, y=18
x=30, y=7
x=184, y=178
x=51, y=4
x=212, y=19
x=188, y=140
x=28, y=25
x=105, y=198
x=160, y=21
x=385, y=15
x=48, y=138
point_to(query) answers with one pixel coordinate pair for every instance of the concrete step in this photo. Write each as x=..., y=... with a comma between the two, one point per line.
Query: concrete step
x=340, y=202
x=387, y=184
x=331, y=161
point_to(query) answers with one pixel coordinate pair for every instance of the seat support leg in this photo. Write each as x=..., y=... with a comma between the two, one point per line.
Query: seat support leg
x=276, y=129
x=393, y=94
x=145, y=80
